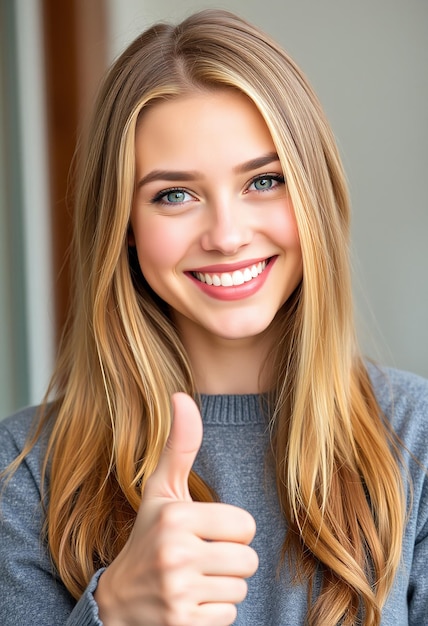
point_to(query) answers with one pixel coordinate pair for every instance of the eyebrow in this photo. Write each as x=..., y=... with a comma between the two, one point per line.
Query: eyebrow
x=248, y=166
x=255, y=164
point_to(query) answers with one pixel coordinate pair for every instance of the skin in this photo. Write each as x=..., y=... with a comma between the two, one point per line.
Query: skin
x=210, y=199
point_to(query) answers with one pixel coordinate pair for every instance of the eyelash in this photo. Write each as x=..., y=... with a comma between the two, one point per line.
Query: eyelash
x=279, y=178
x=159, y=197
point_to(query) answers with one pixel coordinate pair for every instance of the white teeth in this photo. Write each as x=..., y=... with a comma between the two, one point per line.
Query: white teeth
x=239, y=277
x=226, y=280
x=248, y=275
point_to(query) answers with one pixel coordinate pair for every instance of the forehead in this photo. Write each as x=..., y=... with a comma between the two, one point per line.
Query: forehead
x=201, y=124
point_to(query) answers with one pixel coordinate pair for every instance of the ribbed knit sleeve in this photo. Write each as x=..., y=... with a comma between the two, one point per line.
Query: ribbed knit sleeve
x=30, y=590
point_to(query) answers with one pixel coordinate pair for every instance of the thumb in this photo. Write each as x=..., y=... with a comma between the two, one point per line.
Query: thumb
x=169, y=480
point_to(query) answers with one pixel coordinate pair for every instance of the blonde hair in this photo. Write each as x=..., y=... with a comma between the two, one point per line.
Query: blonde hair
x=338, y=481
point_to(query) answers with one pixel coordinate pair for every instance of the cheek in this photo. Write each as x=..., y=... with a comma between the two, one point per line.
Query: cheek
x=159, y=246
x=283, y=228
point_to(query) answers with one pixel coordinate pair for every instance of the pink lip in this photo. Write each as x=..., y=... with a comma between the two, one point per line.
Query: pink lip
x=227, y=294
x=231, y=267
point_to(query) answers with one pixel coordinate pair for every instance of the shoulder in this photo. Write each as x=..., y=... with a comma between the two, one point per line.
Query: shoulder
x=14, y=434
x=399, y=393
x=403, y=398
x=18, y=426
x=15, y=430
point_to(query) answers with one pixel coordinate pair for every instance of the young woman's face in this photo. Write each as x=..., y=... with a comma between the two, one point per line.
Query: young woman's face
x=212, y=221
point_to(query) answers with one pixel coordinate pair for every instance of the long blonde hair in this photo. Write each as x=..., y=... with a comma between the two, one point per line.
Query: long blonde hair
x=338, y=477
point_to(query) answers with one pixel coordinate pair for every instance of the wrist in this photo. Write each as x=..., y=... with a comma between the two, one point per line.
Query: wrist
x=104, y=597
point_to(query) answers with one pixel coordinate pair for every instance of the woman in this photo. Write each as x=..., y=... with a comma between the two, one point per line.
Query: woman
x=211, y=261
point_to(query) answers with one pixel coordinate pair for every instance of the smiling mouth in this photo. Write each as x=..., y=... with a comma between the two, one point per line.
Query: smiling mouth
x=232, y=279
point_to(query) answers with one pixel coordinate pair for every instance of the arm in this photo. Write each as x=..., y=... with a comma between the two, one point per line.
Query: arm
x=30, y=591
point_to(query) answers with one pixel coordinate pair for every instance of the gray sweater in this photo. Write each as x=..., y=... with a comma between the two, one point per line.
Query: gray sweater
x=232, y=460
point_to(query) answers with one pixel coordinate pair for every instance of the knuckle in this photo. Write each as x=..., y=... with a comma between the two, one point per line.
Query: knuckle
x=164, y=557
x=171, y=516
x=172, y=556
x=177, y=615
x=174, y=591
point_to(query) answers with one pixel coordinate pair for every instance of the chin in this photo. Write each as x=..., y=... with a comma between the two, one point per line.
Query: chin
x=241, y=331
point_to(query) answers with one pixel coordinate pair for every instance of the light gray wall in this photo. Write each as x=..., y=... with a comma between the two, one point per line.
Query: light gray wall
x=26, y=290
x=368, y=63
x=13, y=336
x=37, y=253
x=6, y=372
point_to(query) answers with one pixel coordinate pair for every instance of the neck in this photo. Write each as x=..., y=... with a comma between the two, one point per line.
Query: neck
x=228, y=366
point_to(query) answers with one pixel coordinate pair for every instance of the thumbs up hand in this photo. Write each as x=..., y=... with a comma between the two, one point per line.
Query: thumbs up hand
x=185, y=562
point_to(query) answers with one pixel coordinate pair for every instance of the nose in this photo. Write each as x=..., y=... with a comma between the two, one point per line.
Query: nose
x=228, y=228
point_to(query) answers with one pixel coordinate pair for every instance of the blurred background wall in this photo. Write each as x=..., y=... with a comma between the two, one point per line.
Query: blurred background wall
x=368, y=63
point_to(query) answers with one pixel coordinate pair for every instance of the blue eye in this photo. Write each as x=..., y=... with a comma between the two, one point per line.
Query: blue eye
x=175, y=196
x=266, y=182
x=172, y=196
x=263, y=183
